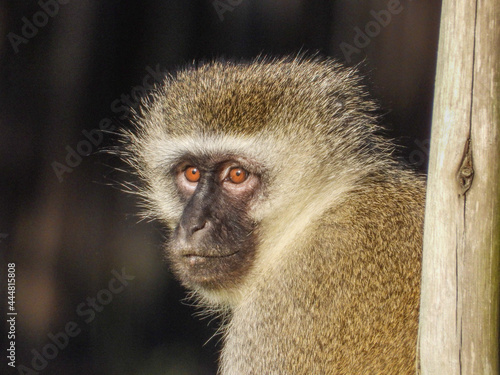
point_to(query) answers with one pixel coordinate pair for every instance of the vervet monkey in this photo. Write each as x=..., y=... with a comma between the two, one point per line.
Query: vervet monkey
x=286, y=208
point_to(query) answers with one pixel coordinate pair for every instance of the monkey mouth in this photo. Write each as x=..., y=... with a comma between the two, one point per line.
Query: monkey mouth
x=195, y=258
x=209, y=270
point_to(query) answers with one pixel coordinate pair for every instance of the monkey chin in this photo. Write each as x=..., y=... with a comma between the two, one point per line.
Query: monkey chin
x=208, y=271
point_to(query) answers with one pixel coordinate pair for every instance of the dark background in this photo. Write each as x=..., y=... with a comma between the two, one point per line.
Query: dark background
x=67, y=233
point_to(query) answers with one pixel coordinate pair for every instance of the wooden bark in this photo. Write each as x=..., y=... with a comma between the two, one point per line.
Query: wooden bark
x=459, y=316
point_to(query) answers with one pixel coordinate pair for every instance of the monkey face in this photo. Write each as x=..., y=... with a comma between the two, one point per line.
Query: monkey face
x=237, y=159
x=213, y=243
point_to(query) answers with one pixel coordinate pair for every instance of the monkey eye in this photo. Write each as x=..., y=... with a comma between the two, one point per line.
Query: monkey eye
x=237, y=175
x=192, y=174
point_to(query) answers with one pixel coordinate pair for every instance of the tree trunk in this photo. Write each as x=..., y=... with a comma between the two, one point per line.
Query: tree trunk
x=459, y=315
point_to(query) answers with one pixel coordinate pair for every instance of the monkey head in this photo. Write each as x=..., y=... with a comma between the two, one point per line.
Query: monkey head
x=233, y=156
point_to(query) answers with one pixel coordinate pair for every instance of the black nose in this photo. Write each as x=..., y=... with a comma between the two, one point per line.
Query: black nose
x=197, y=213
x=190, y=226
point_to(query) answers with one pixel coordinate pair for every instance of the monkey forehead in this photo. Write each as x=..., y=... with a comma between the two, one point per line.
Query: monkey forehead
x=252, y=152
x=250, y=98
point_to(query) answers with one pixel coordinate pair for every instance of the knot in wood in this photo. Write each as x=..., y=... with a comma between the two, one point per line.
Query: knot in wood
x=465, y=174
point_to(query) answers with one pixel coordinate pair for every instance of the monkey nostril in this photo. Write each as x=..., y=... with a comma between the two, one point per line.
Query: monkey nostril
x=190, y=226
x=197, y=227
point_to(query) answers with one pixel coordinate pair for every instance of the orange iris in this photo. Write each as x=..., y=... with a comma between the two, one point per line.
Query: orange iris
x=192, y=174
x=237, y=175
